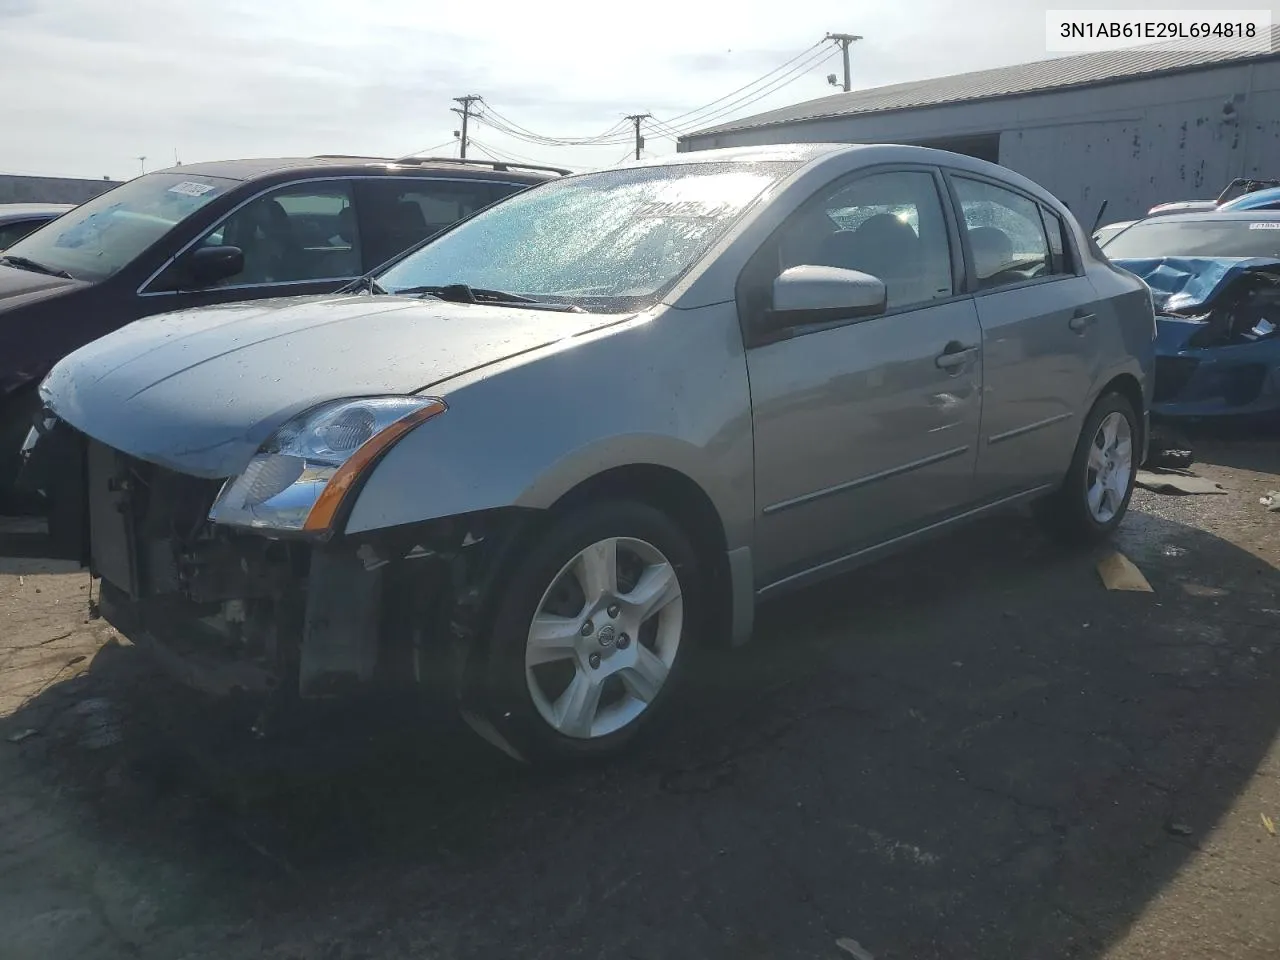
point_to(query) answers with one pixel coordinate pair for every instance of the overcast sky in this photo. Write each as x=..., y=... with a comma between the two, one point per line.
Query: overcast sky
x=91, y=85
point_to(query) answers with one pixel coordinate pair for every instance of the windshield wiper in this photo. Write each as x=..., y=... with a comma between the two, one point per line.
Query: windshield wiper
x=365, y=284
x=462, y=293
x=23, y=263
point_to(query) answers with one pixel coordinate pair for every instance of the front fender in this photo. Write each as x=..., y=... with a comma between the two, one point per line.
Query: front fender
x=667, y=392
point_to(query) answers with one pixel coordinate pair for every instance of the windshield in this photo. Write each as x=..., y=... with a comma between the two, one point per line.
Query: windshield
x=1196, y=238
x=99, y=238
x=608, y=242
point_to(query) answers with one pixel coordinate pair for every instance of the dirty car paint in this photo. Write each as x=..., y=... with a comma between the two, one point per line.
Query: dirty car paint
x=178, y=384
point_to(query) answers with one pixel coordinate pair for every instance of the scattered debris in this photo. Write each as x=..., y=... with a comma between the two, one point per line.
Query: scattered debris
x=1200, y=590
x=22, y=735
x=1174, y=458
x=1271, y=501
x=1168, y=448
x=1119, y=573
x=854, y=948
x=1178, y=829
x=1169, y=482
x=1172, y=551
x=78, y=658
x=1269, y=824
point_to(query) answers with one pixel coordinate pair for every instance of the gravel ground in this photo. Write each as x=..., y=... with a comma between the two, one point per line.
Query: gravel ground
x=972, y=750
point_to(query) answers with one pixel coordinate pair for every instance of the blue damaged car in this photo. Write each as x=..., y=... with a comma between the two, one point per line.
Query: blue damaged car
x=1215, y=282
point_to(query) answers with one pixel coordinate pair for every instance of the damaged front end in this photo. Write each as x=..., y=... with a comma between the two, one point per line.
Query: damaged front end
x=1218, y=335
x=253, y=613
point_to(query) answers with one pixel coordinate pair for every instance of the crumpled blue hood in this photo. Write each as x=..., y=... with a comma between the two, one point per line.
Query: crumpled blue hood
x=1186, y=284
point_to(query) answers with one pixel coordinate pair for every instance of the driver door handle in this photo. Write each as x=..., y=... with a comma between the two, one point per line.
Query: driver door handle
x=1081, y=320
x=954, y=355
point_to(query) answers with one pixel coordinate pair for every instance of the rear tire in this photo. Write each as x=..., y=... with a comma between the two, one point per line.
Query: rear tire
x=591, y=633
x=1094, y=497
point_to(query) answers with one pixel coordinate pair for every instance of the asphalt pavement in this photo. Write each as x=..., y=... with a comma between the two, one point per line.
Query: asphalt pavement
x=974, y=750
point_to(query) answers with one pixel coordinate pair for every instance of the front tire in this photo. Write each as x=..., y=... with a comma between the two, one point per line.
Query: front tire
x=591, y=632
x=1094, y=497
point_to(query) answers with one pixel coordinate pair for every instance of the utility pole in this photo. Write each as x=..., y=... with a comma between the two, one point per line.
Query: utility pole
x=142, y=164
x=465, y=113
x=636, y=118
x=843, y=39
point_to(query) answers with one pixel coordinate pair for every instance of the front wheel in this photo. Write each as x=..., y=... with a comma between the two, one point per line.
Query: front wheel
x=591, y=632
x=1094, y=497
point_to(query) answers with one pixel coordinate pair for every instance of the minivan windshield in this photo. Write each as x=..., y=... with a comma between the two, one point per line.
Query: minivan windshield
x=1195, y=238
x=609, y=241
x=99, y=238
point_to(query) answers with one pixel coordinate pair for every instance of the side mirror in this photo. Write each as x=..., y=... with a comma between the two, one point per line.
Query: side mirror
x=812, y=294
x=205, y=266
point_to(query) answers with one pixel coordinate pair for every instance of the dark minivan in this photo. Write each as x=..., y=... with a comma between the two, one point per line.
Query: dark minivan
x=211, y=233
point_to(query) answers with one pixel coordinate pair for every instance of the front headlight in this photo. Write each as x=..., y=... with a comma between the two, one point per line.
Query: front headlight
x=299, y=478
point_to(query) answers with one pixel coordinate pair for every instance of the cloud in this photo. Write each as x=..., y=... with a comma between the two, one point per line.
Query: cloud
x=93, y=84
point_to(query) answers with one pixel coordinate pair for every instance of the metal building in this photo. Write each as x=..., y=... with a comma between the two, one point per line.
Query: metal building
x=1134, y=127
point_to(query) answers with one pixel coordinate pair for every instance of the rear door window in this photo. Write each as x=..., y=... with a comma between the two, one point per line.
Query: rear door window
x=1006, y=234
x=398, y=214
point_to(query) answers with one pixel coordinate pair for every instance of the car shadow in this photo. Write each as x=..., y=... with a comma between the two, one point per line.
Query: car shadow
x=972, y=749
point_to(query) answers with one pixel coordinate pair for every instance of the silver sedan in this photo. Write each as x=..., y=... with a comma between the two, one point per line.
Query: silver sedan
x=535, y=461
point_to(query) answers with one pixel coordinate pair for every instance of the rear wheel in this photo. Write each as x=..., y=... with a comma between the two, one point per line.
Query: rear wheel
x=1095, y=495
x=592, y=631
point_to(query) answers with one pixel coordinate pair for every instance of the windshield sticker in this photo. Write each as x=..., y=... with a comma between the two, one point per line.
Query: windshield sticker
x=189, y=188
x=682, y=209
x=1266, y=225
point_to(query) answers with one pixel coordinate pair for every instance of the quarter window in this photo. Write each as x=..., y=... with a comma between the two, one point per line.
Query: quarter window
x=889, y=225
x=1006, y=235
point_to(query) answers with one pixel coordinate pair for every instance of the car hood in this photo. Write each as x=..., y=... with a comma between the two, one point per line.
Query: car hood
x=198, y=391
x=1183, y=285
x=20, y=287
x=1188, y=289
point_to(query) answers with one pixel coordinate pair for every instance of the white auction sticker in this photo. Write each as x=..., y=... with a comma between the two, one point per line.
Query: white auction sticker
x=1090, y=31
x=189, y=188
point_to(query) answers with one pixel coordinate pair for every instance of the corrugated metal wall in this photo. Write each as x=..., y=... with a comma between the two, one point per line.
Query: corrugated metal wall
x=1134, y=143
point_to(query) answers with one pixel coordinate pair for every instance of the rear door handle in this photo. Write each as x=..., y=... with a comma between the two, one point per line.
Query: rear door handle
x=1081, y=320
x=954, y=355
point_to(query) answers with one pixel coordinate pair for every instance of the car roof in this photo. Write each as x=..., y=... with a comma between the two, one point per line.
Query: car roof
x=1251, y=201
x=1214, y=216
x=809, y=152
x=338, y=165
x=17, y=211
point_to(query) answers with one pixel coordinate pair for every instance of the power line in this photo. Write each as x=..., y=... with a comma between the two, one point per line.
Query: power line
x=504, y=153
x=498, y=121
x=782, y=66
x=734, y=106
x=674, y=127
x=448, y=143
x=516, y=128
